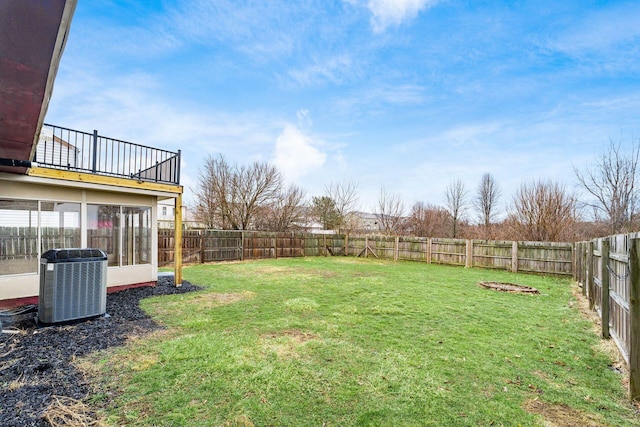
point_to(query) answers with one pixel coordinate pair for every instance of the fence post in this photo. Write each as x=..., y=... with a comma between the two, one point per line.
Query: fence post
x=634, y=315
x=590, y=275
x=275, y=244
x=429, y=250
x=366, y=246
x=242, y=245
x=585, y=269
x=324, y=245
x=514, y=256
x=346, y=244
x=578, y=262
x=468, y=262
x=395, y=253
x=604, y=304
x=573, y=261
x=202, y=234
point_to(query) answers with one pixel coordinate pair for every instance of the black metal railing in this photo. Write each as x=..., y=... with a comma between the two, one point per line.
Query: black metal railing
x=68, y=149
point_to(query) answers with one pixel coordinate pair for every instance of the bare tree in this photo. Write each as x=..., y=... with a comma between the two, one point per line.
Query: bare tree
x=260, y=185
x=285, y=213
x=427, y=220
x=345, y=196
x=213, y=206
x=543, y=211
x=486, y=202
x=229, y=196
x=456, y=203
x=612, y=183
x=390, y=210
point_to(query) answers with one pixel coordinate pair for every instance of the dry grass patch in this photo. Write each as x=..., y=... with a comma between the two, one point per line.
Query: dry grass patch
x=285, y=343
x=293, y=273
x=301, y=305
x=273, y=269
x=211, y=300
x=295, y=335
x=239, y=421
x=561, y=415
x=21, y=381
x=69, y=412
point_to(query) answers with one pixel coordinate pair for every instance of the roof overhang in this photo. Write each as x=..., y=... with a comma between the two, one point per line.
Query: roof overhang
x=32, y=37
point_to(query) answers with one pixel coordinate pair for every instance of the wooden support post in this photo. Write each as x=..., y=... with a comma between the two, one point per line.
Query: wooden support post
x=590, y=275
x=242, y=245
x=468, y=263
x=634, y=315
x=514, y=256
x=429, y=250
x=177, y=241
x=397, y=249
x=604, y=304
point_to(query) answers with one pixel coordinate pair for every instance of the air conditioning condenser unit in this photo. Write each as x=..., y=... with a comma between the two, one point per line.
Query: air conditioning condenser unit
x=73, y=285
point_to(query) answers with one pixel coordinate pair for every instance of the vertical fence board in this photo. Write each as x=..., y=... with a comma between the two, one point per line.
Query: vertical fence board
x=604, y=310
x=634, y=314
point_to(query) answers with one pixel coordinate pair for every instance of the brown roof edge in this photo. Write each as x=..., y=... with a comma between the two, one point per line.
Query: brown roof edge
x=61, y=41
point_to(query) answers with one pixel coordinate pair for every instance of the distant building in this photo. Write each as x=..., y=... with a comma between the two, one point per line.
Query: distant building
x=166, y=216
x=366, y=223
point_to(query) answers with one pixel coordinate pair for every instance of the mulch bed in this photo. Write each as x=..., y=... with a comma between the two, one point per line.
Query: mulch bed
x=35, y=364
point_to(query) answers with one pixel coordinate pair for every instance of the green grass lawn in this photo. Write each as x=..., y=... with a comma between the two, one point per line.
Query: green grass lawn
x=344, y=341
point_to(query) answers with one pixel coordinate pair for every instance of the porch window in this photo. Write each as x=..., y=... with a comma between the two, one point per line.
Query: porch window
x=123, y=232
x=103, y=230
x=60, y=225
x=18, y=236
x=136, y=236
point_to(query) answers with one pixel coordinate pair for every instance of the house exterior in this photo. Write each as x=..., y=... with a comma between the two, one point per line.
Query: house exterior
x=65, y=188
x=167, y=215
x=367, y=222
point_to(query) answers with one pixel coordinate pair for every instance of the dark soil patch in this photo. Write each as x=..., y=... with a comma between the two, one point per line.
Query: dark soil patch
x=36, y=364
x=509, y=287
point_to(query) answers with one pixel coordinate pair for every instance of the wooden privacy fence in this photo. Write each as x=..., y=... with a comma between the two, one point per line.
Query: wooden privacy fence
x=213, y=245
x=608, y=271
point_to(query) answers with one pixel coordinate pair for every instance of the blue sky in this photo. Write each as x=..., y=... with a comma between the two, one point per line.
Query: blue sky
x=405, y=94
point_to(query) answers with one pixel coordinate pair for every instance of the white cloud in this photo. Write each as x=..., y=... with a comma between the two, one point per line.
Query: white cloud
x=395, y=12
x=304, y=118
x=295, y=154
x=333, y=70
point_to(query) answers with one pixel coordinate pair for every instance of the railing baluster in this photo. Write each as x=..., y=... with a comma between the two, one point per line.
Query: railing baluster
x=95, y=148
